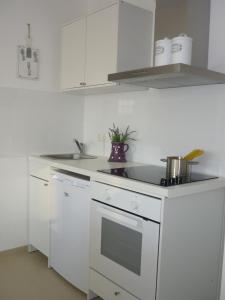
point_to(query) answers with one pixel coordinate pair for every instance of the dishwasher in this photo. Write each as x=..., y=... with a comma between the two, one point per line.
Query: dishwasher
x=69, y=228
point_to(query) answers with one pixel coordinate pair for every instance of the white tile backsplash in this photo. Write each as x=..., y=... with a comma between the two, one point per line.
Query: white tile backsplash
x=36, y=122
x=168, y=122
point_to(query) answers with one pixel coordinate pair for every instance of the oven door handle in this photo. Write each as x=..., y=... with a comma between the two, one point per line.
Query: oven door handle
x=119, y=217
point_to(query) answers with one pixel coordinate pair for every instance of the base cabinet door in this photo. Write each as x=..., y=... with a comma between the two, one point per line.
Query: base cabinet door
x=106, y=289
x=39, y=214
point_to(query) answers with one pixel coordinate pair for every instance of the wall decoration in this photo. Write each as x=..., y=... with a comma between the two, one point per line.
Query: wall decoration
x=28, y=59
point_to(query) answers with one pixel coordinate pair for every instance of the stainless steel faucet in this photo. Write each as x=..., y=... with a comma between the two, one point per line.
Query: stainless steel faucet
x=82, y=154
x=80, y=146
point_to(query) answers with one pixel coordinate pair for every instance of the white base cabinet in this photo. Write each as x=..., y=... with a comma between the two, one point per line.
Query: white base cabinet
x=180, y=245
x=59, y=220
x=39, y=214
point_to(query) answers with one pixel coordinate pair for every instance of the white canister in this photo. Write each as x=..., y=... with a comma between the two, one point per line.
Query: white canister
x=163, y=52
x=182, y=49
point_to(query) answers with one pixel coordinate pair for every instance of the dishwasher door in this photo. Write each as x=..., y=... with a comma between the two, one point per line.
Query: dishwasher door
x=69, y=229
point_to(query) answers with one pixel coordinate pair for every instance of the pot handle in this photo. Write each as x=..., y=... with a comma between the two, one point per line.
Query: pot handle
x=125, y=150
x=190, y=162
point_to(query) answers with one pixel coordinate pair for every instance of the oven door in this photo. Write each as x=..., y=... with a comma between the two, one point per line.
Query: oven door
x=124, y=249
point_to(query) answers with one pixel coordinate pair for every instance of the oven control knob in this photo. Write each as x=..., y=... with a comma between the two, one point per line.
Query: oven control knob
x=135, y=206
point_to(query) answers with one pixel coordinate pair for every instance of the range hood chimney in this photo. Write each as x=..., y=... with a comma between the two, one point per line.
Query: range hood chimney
x=173, y=17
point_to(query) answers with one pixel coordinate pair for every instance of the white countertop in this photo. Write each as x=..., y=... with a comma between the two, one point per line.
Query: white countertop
x=89, y=167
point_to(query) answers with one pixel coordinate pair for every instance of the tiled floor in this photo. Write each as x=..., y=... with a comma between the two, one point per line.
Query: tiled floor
x=25, y=276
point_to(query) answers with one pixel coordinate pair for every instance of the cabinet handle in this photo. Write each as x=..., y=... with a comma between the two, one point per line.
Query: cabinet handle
x=83, y=83
x=117, y=293
x=45, y=184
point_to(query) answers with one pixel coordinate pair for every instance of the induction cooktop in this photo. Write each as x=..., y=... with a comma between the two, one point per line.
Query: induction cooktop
x=155, y=175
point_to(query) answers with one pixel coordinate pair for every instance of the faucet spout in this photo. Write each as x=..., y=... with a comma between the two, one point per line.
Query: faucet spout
x=80, y=146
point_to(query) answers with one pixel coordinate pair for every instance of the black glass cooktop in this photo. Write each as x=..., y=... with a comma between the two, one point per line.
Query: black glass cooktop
x=155, y=175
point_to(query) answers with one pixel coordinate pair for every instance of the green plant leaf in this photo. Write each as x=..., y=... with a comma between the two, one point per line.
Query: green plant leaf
x=117, y=135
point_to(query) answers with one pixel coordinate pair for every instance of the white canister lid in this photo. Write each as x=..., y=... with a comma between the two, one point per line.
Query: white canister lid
x=163, y=41
x=182, y=36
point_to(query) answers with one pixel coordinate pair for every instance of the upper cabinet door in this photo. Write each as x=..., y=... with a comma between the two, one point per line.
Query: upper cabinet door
x=102, y=39
x=73, y=55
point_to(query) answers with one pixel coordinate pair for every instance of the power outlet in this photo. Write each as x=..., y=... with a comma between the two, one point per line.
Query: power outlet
x=101, y=139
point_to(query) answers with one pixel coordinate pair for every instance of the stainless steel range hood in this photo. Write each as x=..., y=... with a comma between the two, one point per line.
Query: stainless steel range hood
x=170, y=76
x=173, y=17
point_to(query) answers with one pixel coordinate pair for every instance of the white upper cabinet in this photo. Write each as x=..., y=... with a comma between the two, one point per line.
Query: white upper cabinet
x=102, y=32
x=73, y=55
x=113, y=39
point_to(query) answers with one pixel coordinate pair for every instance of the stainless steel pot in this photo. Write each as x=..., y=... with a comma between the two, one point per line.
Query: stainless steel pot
x=177, y=166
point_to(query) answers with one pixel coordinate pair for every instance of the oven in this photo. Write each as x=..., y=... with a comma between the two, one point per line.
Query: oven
x=124, y=235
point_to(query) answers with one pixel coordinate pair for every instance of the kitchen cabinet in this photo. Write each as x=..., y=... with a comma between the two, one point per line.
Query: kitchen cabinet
x=113, y=39
x=101, y=45
x=59, y=220
x=107, y=289
x=38, y=233
x=39, y=214
x=73, y=54
x=160, y=245
x=69, y=229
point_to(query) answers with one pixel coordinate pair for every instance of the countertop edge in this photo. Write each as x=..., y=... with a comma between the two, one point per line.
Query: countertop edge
x=132, y=185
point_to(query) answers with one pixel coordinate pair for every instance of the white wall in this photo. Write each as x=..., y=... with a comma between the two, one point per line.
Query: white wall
x=93, y=5
x=30, y=122
x=217, y=41
x=168, y=122
x=38, y=122
x=97, y=4
x=46, y=18
x=217, y=62
x=34, y=118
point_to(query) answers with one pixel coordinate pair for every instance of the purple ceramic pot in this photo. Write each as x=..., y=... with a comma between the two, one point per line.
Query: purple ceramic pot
x=118, y=152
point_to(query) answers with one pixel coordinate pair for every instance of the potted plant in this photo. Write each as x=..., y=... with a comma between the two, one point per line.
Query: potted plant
x=119, y=141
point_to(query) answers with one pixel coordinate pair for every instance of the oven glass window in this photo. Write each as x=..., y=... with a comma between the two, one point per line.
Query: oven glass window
x=121, y=245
